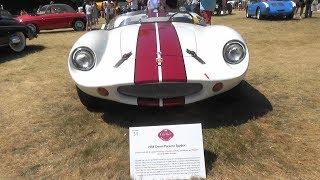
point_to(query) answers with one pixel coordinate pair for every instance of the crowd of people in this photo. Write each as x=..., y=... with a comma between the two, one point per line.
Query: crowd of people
x=111, y=8
x=309, y=5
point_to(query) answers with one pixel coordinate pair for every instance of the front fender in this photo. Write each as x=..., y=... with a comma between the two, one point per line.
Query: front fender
x=264, y=8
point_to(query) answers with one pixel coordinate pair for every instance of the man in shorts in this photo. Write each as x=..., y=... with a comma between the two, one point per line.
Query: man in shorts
x=300, y=4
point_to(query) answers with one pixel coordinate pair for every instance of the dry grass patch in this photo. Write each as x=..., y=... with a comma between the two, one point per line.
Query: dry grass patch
x=268, y=129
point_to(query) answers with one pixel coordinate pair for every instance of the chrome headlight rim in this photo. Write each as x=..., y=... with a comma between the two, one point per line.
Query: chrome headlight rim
x=79, y=49
x=234, y=42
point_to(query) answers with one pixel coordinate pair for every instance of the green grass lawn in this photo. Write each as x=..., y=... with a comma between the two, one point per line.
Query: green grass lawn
x=268, y=127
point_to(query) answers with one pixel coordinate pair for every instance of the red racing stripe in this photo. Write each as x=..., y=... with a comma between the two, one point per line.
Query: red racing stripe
x=146, y=69
x=173, y=68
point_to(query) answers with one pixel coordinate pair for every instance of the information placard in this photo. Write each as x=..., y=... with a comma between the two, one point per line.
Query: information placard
x=167, y=152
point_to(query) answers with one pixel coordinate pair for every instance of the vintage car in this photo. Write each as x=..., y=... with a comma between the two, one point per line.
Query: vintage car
x=157, y=59
x=270, y=8
x=12, y=33
x=54, y=16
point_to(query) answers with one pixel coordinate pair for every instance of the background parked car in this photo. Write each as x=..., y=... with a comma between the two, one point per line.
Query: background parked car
x=263, y=8
x=12, y=33
x=54, y=16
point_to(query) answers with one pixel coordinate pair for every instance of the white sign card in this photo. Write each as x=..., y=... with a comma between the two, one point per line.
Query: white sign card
x=167, y=152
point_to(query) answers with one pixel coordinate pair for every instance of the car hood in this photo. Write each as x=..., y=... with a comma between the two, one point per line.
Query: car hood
x=152, y=59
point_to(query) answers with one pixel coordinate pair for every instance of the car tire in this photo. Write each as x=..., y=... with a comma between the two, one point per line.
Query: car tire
x=247, y=14
x=17, y=42
x=90, y=102
x=34, y=28
x=258, y=14
x=290, y=16
x=79, y=25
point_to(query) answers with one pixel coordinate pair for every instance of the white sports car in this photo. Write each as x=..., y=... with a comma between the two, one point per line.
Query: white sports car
x=157, y=59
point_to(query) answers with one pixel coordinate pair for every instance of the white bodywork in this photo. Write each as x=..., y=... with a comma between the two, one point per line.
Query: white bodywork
x=110, y=45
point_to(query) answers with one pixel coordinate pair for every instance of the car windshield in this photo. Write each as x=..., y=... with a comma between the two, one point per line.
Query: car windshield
x=141, y=17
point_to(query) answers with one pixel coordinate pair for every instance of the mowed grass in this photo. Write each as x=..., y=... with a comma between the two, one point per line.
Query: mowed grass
x=268, y=128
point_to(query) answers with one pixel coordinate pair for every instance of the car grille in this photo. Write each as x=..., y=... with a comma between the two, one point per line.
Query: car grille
x=160, y=90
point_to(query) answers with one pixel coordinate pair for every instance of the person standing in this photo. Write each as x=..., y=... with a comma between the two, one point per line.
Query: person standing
x=95, y=14
x=153, y=4
x=308, y=12
x=134, y=5
x=106, y=7
x=89, y=10
x=195, y=6
x=300, y=5
x=206, y=9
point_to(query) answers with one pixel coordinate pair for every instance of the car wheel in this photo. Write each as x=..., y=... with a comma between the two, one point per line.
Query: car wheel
x=258, y=14
x=17, y=42
x=92, y=103
x=79, y=25
x=247, y=14
x=290, y=16
x=34, y=28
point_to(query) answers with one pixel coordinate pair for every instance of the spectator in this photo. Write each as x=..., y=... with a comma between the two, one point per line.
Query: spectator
x=153, y=4
x=106, y=7
x=51, y=2
x=117, y=9
x=170, y=4
x=95, y=14
x=300, y=4
x=89, y=10
x=206, y=9
x=134, y=5
x=240, y=5
x=308, y=12
x=142, y=4
x=195, y=6
x=187, y=5
x=314, y=5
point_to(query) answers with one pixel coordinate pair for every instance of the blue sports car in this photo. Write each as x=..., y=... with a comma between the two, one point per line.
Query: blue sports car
x=267, y=8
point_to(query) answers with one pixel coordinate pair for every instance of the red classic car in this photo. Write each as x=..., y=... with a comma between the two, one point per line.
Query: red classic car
x=54, y=16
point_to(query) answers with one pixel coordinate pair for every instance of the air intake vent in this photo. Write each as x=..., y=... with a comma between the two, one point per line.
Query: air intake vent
x=160, y=90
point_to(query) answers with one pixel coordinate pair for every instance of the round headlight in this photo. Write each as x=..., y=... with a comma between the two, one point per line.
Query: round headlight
x=234, y=52
x=83, y=58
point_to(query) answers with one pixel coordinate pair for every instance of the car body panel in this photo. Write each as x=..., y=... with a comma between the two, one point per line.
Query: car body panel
x=271, y=7
x=177, y=66
x=52, y=18
x=8, y=26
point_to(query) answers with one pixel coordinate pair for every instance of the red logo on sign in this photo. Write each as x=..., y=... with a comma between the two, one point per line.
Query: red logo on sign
x=165, y=135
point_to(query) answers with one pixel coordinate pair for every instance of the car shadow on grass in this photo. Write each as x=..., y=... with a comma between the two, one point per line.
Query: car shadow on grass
x=232, y=108
x=7, y=55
